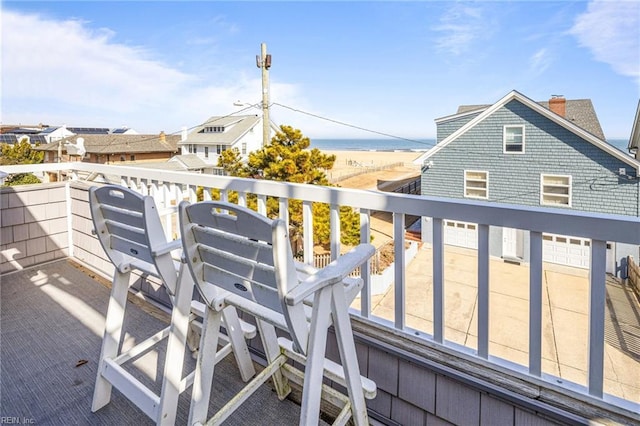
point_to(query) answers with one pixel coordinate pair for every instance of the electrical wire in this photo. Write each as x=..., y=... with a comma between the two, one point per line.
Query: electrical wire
x=515, y=159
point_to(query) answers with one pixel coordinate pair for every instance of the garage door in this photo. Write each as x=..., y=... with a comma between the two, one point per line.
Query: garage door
x=565, y=250
x=461, y=234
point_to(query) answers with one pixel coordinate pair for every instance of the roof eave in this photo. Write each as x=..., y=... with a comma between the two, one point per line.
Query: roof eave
x=515, y=95
x=634, y=139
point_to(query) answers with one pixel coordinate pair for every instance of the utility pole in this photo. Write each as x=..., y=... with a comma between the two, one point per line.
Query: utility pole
x=264, y=63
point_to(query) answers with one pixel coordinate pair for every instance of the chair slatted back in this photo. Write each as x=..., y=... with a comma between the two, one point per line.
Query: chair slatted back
x=233, y=248
x=129, y=229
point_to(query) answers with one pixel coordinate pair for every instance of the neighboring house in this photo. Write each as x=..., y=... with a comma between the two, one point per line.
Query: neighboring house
x=12, y=134
x=218, y=134
x=56, y=133
x=47, y=134
x=112, y=148
x=634, y=139
x=193, y=163
x=123, y=131
x=543, y=154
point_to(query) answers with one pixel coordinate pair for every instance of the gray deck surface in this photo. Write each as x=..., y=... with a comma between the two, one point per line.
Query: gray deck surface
x=52, y=317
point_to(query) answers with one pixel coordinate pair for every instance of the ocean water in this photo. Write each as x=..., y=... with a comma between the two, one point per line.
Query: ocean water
x=401, y=144
x=373, y=144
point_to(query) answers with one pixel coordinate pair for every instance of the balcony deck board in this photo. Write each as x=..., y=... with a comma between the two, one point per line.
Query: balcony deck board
x=52, y=317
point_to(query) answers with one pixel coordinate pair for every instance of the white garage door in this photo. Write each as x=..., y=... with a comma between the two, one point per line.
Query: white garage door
x=565, y=250
x=461, y=234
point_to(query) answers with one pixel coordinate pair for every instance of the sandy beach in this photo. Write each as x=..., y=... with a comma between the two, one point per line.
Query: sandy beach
x=375, y=171
x=364, y=169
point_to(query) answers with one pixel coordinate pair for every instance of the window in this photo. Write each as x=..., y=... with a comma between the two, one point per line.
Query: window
x=513, y=138
x=206, y=152
x=244, y=148
x=133, y=158
x=213, y=129
x=476, y=184
x=555, y=190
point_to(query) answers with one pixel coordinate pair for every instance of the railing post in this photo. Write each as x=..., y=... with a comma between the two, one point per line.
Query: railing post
x=307, y=232
x=438, y=280
x=597, y=299
x=262, y=204
x=334, y=219
x=535, y=303
x=365, y=269
x=483, y=291
x=399, y=270
x=67, y=194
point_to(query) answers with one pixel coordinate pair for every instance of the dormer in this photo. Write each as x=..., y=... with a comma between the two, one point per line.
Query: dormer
x=212, y=129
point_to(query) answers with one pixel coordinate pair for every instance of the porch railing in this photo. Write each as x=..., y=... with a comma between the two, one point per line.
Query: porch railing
x=169, y=187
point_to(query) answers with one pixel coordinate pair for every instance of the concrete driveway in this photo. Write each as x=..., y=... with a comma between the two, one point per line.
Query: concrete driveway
x=565, y=316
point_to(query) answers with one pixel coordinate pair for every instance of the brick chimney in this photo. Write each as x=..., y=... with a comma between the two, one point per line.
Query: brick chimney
x=162, y=137
x=558, y=104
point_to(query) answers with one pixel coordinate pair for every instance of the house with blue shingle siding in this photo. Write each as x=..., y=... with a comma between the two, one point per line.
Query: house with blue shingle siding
x=540, y=154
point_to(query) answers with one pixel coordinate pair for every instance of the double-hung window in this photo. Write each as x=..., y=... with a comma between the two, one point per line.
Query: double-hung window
x=513, y=139
x=555, y=190
x=476, y=184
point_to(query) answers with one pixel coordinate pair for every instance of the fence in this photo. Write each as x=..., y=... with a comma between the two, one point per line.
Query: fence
x=365, y=169
x=412, y=187
x=322, y=260
x=633, y=275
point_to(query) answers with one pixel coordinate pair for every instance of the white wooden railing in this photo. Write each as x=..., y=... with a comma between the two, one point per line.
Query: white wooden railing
x=168, y=187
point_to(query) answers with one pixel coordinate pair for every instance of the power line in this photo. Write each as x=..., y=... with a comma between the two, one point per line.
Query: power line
x=467, y=152
x=342, y=123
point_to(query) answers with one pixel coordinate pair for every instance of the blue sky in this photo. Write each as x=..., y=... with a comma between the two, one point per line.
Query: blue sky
x=392, y=67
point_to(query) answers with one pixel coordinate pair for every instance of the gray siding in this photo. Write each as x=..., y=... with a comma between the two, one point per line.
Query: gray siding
x=515, y=178
x=446, y=128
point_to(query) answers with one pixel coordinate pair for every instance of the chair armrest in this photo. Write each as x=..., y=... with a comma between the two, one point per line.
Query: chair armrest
x=334, y=272
x=166, y=248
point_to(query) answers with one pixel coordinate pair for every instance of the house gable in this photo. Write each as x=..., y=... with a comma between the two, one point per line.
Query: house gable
x=235, y=127
x=538, y=107
x=552, y=148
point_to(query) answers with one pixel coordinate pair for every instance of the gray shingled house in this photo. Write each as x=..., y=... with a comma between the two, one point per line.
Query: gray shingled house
x=540, y=154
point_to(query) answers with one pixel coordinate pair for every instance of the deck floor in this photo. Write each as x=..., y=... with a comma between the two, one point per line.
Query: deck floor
x=52, y=319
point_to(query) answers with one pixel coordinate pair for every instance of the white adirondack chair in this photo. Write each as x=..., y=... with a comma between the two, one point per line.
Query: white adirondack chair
x=248, y=256
x=130, y=231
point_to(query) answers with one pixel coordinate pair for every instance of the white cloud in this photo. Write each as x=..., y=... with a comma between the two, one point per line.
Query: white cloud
x=540, y=61
x=460, y=27
x=67, y=73
x=611, y=31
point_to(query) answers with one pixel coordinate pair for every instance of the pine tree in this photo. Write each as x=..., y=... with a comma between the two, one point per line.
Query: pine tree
x=288, y=159
x=20, y=153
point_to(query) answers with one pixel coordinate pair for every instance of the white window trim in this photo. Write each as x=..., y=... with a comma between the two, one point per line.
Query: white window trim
x=569, y=196
x=486, y=197
x=504, y=139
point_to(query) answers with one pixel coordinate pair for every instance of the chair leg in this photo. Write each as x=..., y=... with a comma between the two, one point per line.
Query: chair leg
x=272, y=351
x=348, y=358
x=111, y=337
x=314, y=366
x=176, y=346
x=238, y=343
x=201, y=390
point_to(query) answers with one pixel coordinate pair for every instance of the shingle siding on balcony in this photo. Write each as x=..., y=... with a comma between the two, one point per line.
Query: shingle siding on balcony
x=515, y=178
x=34, y=227
x=425, y=397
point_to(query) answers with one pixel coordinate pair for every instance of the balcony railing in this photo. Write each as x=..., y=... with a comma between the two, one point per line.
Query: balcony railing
x=168, y=188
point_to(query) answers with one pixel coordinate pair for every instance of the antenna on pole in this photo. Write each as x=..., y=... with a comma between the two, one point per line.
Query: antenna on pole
x=263, y=61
